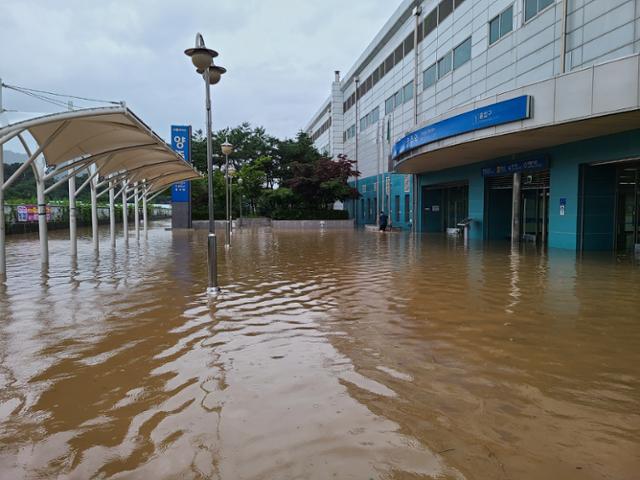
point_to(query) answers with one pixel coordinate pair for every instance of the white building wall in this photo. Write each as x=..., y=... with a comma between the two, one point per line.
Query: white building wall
x=597, y=30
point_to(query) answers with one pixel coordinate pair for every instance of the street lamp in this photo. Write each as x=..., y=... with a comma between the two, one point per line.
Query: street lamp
x=202, y=58
x=227, y=149
x=240, y=212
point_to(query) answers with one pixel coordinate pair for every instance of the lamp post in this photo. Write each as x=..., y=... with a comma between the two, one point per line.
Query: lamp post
x=202, y=58
x=240, y=202
x=227, y=149
x=232, y=173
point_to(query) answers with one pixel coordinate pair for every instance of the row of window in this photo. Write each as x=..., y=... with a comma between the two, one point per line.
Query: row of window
x=370, y=118
x=369, y=210
x=402, y=96
x=452, y=60
x=323, y=128
x=430, y=23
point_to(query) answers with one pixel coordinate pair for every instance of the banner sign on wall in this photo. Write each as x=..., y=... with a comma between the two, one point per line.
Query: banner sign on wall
x=499, y=113
x=29, y=213
x=181, y=143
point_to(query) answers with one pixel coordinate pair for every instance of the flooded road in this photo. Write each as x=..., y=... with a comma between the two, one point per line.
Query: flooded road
x=346, y=355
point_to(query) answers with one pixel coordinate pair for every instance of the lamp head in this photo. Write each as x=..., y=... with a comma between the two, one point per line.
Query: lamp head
x=227, y=148
x=201, y=56
x=215, y=73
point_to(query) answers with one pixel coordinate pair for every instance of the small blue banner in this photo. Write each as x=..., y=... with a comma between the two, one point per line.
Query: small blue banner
x=528, y=165
x=500, y=113
x=181, y=143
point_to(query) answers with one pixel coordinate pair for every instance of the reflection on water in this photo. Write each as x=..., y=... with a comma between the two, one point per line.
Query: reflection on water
x=329, y=355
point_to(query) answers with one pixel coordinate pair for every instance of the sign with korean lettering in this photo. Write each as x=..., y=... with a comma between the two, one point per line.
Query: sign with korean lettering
x=509, y=168
x=181, y=143
x=29, y=213
x=508, y=111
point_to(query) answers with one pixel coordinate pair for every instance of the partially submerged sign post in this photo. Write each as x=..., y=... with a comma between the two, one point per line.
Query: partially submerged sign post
x=181, y=191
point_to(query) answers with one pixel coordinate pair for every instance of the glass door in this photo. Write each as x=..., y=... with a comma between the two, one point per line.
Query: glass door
x=628, y=231
x=535, y=215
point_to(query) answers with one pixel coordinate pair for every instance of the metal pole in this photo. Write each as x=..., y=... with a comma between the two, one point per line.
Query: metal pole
x=136, y=212
x=42, y=215
x=357, y=135
x=94, y=211
x=125, y=224
x=416, y=63
x=3, y=258
x=231, y=203
x=227, y=233
x=515, y=212
x=211, y=239
x=145, y=221
x=112, y=215
x=73, y=222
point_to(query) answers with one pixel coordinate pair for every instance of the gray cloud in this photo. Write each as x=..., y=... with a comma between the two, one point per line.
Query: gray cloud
x=280, y=55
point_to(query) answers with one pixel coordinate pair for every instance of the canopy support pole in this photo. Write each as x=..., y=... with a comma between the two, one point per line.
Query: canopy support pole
x=3, y=258
x=112, y=215
x=94, y=210
x=73, y=231
x=42, y=215
x=125, y=220
x=136, y=210
x=145, y=220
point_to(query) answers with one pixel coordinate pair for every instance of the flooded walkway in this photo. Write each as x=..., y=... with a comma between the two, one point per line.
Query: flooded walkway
x=344, y=355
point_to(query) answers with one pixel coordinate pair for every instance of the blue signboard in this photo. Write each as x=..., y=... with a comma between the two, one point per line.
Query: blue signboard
x=484, y=117
x=526, y=165
x=181, y=143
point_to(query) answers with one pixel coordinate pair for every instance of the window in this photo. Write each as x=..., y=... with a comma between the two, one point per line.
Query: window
x=430, y=76
x=398, y=99
x=408, y=44
x=444, y=10
x=444, y=65
x=350, y=132
x=420, y=31
x=388, y=63
x=398, y=54
x=376, y=76
x=462, y=53
x=397, y=208
x=388, y=105
x=431, y=22
x=532, y=7
x=501, y=25
x=408, y=92
x=459, y=2
x=407, y=208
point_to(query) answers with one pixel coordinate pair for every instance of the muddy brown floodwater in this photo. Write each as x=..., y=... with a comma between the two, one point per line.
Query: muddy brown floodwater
x=346, y=355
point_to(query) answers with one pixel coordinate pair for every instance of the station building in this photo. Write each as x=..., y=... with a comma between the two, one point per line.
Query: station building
x=520, y=118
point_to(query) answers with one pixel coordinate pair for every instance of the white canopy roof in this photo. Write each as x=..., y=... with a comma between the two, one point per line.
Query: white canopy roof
x=114, y=139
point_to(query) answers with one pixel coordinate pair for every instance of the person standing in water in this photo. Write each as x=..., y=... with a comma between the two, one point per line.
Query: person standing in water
x=384, y=221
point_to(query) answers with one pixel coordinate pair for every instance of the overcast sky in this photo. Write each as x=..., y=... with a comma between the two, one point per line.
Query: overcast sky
x=280, y=54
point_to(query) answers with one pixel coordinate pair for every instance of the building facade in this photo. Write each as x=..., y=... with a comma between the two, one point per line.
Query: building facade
x=520, y=118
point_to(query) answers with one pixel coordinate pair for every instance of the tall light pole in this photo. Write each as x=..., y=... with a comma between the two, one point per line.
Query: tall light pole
x=240, y=212
x=227, y=149
x=202, y=58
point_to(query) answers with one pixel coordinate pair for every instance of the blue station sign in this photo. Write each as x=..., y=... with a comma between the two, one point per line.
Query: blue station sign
x=512, y=110
x=181, y=143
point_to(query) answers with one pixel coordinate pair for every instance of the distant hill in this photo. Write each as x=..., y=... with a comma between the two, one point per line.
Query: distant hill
x=13, y=157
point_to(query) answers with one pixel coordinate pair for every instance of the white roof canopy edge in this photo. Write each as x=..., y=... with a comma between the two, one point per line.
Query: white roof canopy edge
x=122, y=122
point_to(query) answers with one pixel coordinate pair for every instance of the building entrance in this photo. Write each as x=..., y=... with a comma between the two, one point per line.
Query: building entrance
x=628, y=208
x=534, y=207
x=444, y=207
